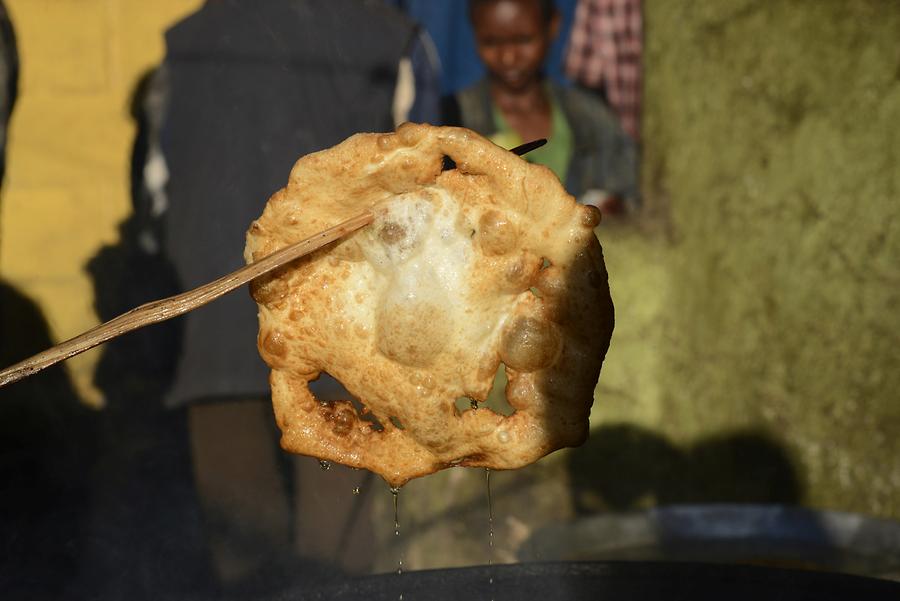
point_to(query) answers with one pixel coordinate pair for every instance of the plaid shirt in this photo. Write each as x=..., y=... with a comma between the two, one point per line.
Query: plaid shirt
x=605, y=52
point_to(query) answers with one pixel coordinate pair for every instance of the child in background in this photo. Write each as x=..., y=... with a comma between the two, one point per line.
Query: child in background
x=516, y=103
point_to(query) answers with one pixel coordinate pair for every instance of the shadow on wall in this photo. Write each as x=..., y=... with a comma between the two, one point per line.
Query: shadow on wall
x=144, y=522
x=135, y=370
x=132, y=272
x=729, y=498
x=46, y=452
x=625, y=467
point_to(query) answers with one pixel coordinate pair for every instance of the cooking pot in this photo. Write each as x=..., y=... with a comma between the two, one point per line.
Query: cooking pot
x=608, y=581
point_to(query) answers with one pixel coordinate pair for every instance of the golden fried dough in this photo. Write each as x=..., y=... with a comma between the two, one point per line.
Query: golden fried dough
x=461, y=270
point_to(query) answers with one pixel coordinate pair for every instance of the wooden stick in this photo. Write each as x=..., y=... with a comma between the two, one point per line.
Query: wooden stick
x=167, y=308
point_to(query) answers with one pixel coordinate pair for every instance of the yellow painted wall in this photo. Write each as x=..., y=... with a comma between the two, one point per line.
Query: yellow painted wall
x=67, y=183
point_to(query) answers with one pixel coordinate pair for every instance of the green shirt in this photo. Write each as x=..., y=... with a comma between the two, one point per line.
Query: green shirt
x=555, y=154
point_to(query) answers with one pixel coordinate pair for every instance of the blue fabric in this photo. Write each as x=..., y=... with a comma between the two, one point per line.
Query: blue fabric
x=447, y=21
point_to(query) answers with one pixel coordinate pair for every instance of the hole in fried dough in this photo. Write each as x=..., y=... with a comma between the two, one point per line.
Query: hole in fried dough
x=464, y=404
x=496, y=399
x=328, y=389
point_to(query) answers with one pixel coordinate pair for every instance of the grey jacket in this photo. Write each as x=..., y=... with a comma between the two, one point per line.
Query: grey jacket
x=250, y=87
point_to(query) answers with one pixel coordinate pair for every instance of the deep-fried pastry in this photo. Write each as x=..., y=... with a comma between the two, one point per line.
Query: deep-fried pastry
x=462, y=269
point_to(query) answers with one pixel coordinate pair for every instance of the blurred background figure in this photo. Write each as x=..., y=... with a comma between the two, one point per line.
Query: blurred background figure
x=143, y=446
x=246, y=89
x=45, y=432
x=604, y=55
x=516, y=103
x=257, y=86
x=447, y=22
x=46, y=452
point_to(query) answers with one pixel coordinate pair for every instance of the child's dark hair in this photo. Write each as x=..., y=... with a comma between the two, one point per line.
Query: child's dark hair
x=548, y=8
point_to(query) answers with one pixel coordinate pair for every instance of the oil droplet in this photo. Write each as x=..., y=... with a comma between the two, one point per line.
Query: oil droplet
x=356, y=490
x=487, y=481
x=396, y=493
x=325, y=465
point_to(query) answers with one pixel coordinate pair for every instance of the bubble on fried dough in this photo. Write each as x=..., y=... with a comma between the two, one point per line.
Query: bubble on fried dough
x=550, y=282
x=530, y=344
x=590, y=216
x=496, y=233
x=273, y=343
x=520, y=274
x=408, y=134
x=268, y=289
x=398, y=231
x=412, y=334
x=391, y=233
x=387, y=141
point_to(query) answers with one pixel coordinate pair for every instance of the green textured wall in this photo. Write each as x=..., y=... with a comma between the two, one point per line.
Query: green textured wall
x=756, y=356
x=758, y=298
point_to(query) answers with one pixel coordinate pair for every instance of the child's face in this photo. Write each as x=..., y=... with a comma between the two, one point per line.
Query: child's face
x=513, y=39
